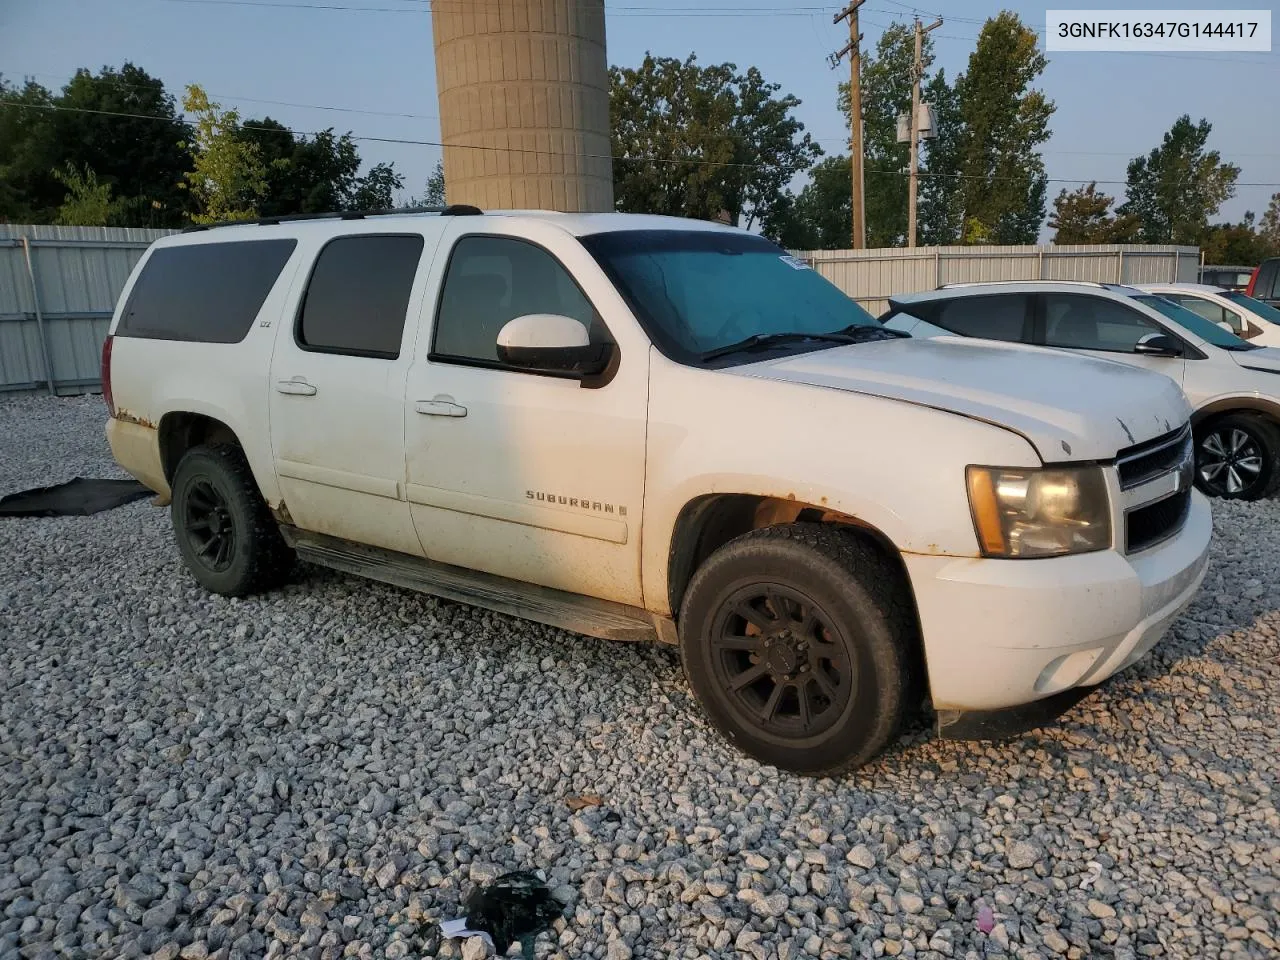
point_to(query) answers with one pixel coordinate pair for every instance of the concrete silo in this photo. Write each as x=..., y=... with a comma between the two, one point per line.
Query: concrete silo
x=524, y=103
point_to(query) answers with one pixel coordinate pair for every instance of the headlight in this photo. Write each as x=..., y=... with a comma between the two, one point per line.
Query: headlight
x=1047, y=512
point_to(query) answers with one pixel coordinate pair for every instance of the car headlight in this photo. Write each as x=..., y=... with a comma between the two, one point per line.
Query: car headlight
x=1046, y=512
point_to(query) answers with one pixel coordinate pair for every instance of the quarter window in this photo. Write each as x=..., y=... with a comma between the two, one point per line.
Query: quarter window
x=1093, y=323
x=358, y=296
x=1002, y=317
x=204, y=292
x=493, y=280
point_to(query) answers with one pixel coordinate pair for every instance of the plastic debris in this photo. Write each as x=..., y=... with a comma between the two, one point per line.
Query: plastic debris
x=986, y=919
x=1095, y=874
x=514, y=908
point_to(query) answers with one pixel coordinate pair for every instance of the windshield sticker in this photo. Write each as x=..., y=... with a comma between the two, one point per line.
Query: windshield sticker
x=794, y=263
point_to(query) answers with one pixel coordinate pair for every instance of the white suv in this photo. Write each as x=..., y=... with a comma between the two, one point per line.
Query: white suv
x=1232, y=384
x=640, y=427
x=1247, y=318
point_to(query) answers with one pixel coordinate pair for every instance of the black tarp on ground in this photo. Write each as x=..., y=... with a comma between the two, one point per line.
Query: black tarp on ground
x=75, y=498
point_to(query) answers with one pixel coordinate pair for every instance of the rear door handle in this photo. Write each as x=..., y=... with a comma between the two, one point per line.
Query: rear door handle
x=296, y=387
x=440, y=407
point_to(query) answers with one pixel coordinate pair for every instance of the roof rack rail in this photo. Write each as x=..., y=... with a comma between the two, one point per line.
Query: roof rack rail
x=452, y=210
x=1000, y=283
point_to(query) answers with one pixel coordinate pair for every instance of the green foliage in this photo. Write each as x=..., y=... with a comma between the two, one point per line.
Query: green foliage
x=1004, y=184
x=821, y=216
x=376, y=189
x=88, y=202
x=1270, y=228
x=1084, y=216
x=1237, y=243
x=940, y=213
x=1178, y=186
x=229, y=176
x=435, y=196
x=728, y=143
x=886, y=93
x=120, y=123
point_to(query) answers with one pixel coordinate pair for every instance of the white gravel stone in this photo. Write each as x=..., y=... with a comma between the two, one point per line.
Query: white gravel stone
x=324, y=769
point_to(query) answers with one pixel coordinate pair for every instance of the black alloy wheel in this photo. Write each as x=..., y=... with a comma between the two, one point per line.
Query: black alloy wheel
x=778, y=664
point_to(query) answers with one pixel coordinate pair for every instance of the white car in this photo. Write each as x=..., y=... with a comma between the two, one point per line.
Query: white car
x=1247, y=318
x=1233, y=384
x=641, y=427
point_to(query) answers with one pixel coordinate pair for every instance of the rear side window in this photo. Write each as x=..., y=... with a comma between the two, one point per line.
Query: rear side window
x=1268, y=274
x=358, y=296
x=992, y=318
x=1211, y=311
x=206, y=292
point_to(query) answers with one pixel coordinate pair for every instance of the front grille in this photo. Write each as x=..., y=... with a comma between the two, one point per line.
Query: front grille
x=1156, y=522
x=1146, y=461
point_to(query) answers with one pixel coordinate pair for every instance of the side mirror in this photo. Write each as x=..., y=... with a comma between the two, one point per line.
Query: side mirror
x=551, y=343
x=1228, y=327
x=1158, y=345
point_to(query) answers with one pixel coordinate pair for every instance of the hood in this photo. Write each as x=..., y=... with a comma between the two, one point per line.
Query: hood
x=1267, y=359
x=1069, y=407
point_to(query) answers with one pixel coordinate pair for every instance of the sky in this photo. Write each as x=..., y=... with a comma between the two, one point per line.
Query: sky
x=372, y=69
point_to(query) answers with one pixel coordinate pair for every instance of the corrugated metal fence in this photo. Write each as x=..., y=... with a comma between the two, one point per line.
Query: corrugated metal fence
x=58, y=289
x=872, y=276
x=59, y=285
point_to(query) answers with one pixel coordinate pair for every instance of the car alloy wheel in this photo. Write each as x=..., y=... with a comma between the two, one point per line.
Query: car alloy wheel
x=1230, y=461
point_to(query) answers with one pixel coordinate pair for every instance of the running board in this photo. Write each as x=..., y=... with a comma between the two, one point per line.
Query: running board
x=557, y=608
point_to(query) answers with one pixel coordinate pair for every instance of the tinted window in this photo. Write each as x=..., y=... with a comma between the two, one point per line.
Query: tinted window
x=358, y=295
x=698, y=291
x=493, y=280
x=1196, y=324
x=1268, y=273
x=1207, y=309
x=1092, y=323
x=1257, y=307
x=993, y=318
x=208, y=292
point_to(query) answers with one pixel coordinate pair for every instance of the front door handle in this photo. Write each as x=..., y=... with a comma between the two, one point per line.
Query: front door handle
x=296, y=387
x=440, y=407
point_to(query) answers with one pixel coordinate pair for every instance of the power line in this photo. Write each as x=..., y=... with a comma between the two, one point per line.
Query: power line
x=681, y=11
x=554, y=153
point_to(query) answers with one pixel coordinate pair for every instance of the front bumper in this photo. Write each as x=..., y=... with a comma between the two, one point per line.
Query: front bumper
x=1005, y=633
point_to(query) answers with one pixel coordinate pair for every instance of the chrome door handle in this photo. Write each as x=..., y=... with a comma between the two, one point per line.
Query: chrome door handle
x=296, y=387
x=440, y=407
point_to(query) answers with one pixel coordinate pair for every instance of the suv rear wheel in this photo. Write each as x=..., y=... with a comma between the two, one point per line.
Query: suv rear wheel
x=226, y=534
x=797, y=640
x=1238, y=458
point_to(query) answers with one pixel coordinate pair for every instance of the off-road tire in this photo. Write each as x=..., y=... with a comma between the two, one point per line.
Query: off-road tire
x=867, y=605
x=257, y=558
x=1261, y=433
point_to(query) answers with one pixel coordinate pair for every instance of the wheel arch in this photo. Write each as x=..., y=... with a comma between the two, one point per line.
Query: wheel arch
x=1269, y=410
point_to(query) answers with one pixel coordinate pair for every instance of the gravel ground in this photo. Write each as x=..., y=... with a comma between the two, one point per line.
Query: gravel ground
x=316, y=771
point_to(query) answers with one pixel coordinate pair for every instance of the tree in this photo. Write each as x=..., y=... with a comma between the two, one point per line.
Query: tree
x=119, y=123
x=1084, y=216
x=941, y=204
x=435, y=196
x=700, y=141
x=1003, y=180
x=886, y=93
x=88, y=202
x=1178, y=186
x=818, y=218
x=1270, y=228
x=1236, y=243
x=229, y=176
x=376, y=189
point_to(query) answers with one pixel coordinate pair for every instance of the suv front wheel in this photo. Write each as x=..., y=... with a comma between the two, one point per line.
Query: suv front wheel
x=227, y=536
x=1238, y=458
x=798, y=640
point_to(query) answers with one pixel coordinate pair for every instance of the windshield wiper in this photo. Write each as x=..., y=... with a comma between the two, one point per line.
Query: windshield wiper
x=861, y=333
x=757, y=340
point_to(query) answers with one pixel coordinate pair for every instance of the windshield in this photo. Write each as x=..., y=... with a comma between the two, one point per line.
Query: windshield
x=1259, y=309
x=1194, y=323
x=699, y=291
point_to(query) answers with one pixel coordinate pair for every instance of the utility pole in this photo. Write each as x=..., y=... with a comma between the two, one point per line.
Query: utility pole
x=853, y=49
x=917, y=71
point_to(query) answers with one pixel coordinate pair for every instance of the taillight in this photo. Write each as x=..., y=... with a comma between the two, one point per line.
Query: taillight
x=106, y=375
x=1253, y=279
